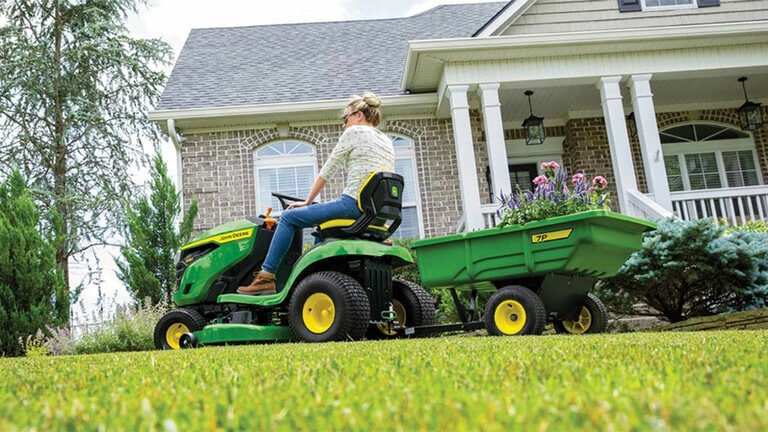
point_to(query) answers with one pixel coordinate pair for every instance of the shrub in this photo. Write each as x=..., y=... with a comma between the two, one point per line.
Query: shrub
x=553, y=196
x=687, y=269
x=131, y=329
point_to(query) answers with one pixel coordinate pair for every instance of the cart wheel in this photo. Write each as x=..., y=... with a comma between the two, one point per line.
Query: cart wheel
x=514, y=310
x=593, y=318
x=329, y=306
x=413, y=306
x=173, y=325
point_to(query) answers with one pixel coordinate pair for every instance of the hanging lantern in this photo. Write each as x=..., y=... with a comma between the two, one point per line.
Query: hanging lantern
x=534, y=126
x=750, y=114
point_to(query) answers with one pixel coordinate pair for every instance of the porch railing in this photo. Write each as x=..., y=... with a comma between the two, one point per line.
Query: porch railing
x=735, y=205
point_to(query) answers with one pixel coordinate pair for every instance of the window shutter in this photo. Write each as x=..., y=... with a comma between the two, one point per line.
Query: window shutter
x=708, y=3
x=630, y=5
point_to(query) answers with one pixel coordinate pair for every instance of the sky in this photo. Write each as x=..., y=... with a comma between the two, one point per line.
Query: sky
x=171, y=21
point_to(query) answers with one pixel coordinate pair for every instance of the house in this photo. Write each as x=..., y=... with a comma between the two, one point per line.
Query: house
x=644, y=92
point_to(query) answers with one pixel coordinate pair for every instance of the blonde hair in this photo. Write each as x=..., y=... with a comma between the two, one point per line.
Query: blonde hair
x=369, y=105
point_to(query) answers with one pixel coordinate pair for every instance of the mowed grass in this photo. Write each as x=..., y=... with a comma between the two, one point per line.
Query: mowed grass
x=650, y=381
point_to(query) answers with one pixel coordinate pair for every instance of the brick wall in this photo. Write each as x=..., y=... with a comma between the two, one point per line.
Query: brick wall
x=218, y=169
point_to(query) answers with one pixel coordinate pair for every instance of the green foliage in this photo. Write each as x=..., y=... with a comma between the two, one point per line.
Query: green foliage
x=690, y=269
x=131, y=329
x=74, y=90
x=553, y=196
x=32, y=289
x=628, y=382
x=152, y=238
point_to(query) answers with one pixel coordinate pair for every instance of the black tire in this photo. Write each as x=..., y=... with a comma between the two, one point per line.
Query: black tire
x=413, y=306
x=593, y=318
x=329, y=306
x=175, y=323
x=514, y=311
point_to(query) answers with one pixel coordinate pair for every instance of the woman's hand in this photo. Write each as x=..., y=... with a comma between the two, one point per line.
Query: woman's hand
x=298, y=204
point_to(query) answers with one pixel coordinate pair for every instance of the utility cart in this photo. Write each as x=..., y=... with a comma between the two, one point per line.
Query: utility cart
x=539, y=272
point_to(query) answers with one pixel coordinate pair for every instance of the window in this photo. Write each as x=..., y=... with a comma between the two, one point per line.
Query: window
x=405, y=165
x=705, y=156
x=660, y=5
x=667, y=4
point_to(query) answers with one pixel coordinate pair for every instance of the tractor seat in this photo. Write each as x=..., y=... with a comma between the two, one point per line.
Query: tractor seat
x=380, y=199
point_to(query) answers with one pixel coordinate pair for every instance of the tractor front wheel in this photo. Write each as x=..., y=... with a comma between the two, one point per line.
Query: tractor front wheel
x=593, y=318
x=329, y=306
x=514, y=311
x=175, y=324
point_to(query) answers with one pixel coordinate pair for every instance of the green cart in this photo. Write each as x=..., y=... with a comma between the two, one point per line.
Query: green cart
x=539, y=272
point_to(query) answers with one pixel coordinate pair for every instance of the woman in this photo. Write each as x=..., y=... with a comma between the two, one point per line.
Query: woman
x=361, y=150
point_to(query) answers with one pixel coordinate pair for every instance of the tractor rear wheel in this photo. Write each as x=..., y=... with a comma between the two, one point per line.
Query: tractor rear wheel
x=593, y=318
x=329, y=306
x=171, y=326
x=413, y=306
x=514, y=311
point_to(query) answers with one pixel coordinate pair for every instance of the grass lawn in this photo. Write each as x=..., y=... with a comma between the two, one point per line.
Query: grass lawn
x=638, y=381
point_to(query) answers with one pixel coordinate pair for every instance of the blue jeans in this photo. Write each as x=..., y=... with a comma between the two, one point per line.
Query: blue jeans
x=305, y=217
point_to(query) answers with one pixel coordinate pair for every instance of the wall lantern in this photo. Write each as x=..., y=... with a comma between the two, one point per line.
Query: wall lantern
x=534, y=126
x=750, y=115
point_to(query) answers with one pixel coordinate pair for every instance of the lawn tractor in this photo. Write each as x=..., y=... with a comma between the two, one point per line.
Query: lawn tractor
x=340, y=289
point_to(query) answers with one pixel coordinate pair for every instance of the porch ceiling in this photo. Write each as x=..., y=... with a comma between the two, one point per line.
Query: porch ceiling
x=559, y=102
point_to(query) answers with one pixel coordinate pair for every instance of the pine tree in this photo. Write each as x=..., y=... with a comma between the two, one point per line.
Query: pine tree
x=74, y=92
x=32, y=289
x=152, y=238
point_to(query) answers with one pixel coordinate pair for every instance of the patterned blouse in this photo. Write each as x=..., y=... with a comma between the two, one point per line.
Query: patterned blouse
x=361, y=150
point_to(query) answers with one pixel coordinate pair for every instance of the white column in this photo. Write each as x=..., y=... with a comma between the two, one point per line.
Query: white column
x=465, y=157
x=494, y=138
x=618, y=140
x=650, y=144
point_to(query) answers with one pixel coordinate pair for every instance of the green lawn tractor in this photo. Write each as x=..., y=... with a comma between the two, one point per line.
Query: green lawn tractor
x=340, y=289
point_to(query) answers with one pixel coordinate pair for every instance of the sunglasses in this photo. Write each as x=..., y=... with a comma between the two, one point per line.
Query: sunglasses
x=347, y=116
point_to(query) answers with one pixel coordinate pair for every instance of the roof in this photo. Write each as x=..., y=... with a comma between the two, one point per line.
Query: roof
x=239, y=66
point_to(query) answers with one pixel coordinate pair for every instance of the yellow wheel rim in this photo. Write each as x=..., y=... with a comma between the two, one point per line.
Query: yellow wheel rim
x=510, y=317
x=581, y=325
x=318, y=313
x=400, y=319
x=173, y=334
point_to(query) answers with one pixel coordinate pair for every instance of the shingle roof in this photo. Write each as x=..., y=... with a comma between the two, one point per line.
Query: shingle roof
x=255, y=65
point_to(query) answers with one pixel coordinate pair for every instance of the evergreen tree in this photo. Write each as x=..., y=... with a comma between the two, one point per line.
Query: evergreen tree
x=32, y=289
x=687, y=269
x=74, y=91
x=152, y=238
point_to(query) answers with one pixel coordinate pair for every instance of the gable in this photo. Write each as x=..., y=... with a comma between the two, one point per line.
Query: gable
x=564, y=16
x=246, y=66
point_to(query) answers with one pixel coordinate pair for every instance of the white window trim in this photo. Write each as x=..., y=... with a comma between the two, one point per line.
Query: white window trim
x=282, y=161
x=410, y=154
x=692, y=5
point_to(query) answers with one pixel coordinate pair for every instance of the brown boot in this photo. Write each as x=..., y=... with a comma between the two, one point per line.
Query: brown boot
x=263, y=283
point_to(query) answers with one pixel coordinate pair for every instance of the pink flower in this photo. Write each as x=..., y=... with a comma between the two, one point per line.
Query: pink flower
x=577, y=178
x=599, y=182
x=540, y=180
x=551, y=165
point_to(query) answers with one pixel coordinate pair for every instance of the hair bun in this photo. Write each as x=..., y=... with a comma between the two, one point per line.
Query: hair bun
x=372, y=100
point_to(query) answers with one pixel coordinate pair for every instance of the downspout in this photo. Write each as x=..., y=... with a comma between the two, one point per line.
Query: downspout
x=176, y=140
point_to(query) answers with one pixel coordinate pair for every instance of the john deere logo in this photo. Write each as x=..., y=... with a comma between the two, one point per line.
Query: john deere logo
x=394, y=192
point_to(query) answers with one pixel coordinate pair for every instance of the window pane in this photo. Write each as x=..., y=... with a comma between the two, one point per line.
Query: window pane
x=409, y=227
x=702, y=171
x=400, y=142
x=740, y=168
x=675, y=179
x=404, y=167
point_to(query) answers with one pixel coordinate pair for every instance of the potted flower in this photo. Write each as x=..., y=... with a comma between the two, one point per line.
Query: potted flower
x=556, y=194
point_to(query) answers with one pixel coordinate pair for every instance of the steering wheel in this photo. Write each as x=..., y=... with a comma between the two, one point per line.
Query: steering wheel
x=286, y=200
